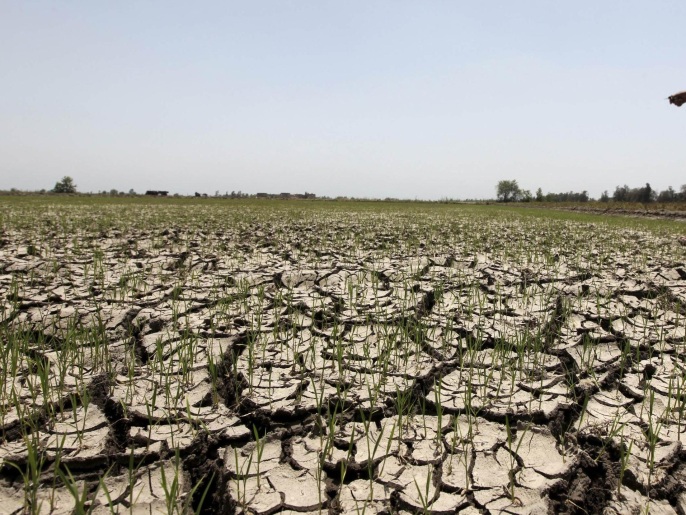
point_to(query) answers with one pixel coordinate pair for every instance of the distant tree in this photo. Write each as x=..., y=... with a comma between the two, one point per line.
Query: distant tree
x=604, y=197
x=569, y=196
x=539, y=195
x=668, y=195
x=508, y=191
x=66, y=185
x=525, y=196
x=132, y=191
x=645, y=194
x=621, y=194
x=114, y=192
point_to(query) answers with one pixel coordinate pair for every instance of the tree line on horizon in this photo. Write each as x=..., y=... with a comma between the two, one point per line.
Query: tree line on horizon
x=509, y=191
x=506, y=191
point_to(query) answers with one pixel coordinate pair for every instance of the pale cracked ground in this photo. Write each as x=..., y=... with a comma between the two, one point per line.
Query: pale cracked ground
x=278, y=360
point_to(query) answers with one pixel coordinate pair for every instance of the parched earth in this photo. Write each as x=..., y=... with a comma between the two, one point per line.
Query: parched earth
x=172, y=358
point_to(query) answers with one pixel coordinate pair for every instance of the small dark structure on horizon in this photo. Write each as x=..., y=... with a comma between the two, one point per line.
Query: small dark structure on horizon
x=678, y=99
x=156, y=193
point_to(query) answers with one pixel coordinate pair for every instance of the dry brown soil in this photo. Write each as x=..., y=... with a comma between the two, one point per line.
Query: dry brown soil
x=340, y=362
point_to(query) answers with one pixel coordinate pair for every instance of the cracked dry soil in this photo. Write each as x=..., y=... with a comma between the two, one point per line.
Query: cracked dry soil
x=172, y=359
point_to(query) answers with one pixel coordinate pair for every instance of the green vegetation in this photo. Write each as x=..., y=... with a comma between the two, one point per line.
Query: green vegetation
x=509, y=191
x=66, y=185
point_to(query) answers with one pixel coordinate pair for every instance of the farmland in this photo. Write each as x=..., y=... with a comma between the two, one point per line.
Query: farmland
x=174, y=356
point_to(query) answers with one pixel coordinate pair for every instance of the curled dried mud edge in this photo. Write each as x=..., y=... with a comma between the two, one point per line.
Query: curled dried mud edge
x=589, y=487
x=206, y=469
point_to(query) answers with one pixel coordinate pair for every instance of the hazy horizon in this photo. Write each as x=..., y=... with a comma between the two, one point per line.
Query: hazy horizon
x=386, y=99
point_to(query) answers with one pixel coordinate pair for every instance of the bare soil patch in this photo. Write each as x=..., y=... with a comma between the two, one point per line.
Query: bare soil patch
x=173, y=359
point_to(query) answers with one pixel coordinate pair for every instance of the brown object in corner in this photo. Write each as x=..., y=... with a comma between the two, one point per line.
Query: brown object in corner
x=678, y=99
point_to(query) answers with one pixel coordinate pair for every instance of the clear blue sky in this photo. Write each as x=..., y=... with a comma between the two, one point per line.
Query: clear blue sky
x=421, y=99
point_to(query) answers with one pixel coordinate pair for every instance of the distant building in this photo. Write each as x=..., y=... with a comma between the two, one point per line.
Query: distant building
x=156, y=193
x=262, y=195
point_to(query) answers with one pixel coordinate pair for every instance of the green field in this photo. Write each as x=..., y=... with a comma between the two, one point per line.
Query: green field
x=260, y=356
